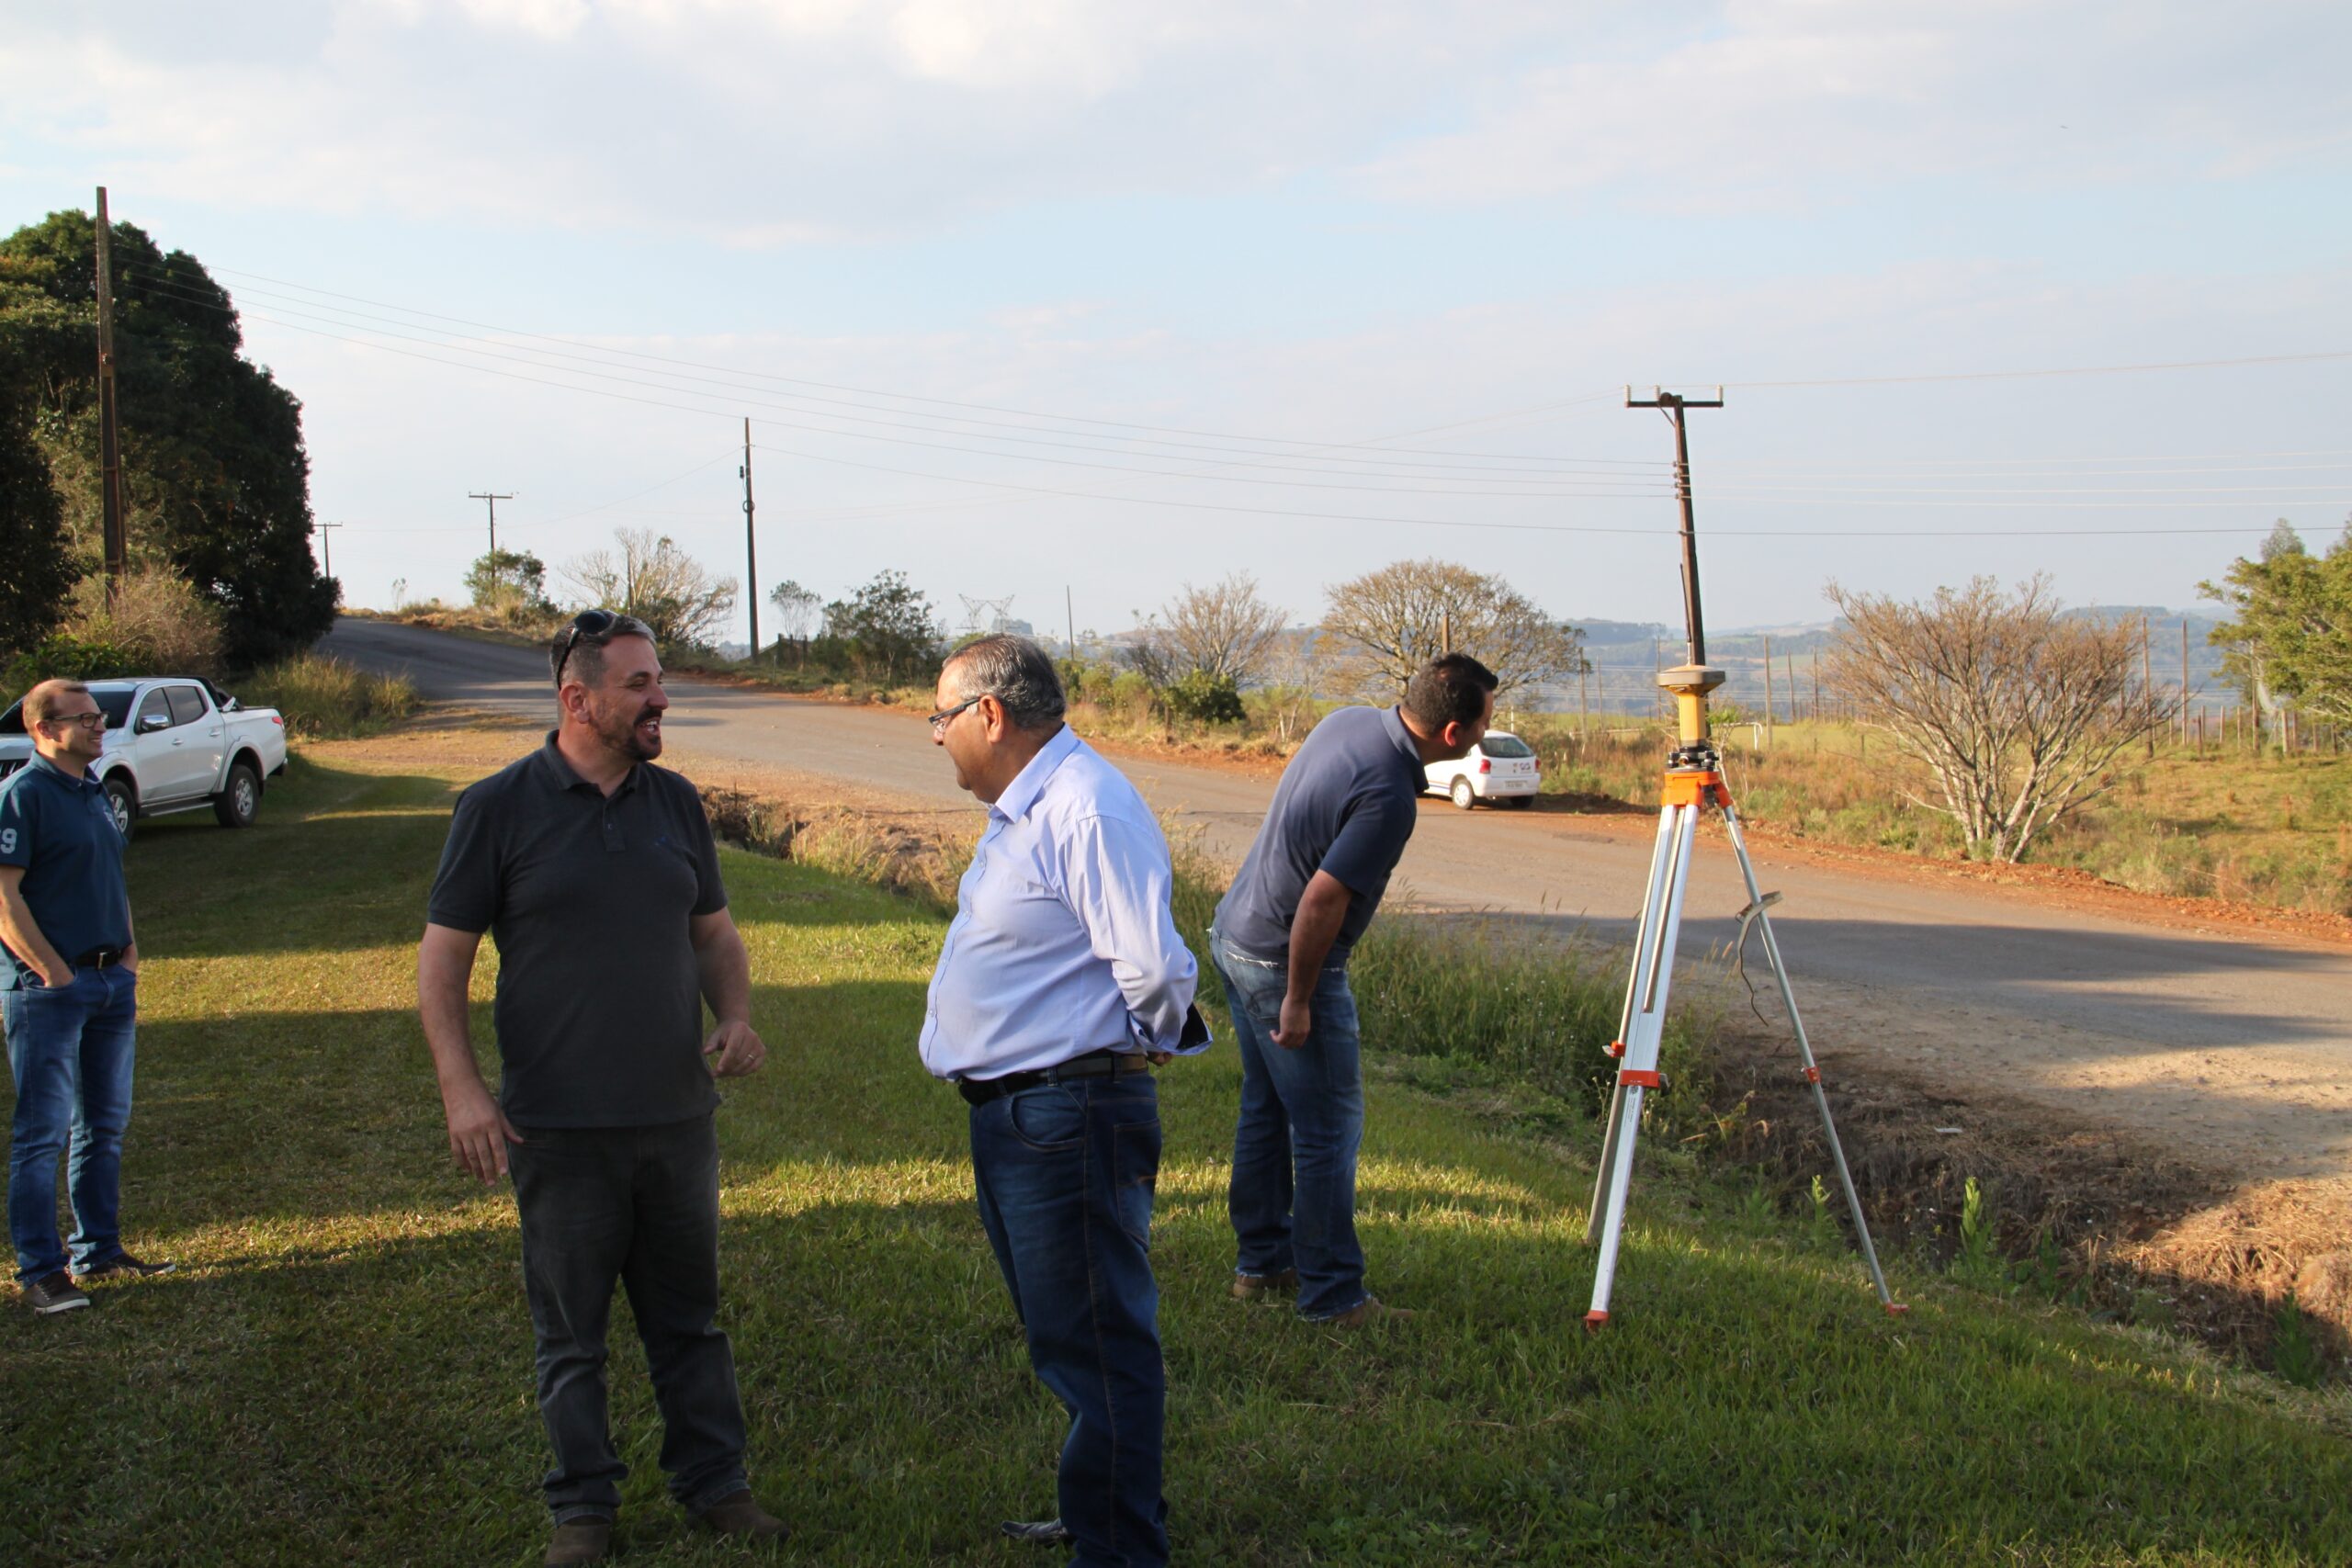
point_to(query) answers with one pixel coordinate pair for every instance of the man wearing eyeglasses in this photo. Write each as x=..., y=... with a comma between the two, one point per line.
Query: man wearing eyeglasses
x=596, y=873
x=1061, y=980
x=68, y=989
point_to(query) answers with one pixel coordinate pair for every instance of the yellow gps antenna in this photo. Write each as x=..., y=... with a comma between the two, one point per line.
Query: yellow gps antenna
x=1693, y=780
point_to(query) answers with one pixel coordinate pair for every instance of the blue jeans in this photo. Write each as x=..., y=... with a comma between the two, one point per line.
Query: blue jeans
x=1065, y=1175
x=636, y=1206
x=1294, y=1198
x=70, y=1051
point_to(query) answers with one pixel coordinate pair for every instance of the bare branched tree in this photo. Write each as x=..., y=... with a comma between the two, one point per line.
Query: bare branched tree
x=1400, y=617
x=2019, y=713
x=652, y=579
x=1222, y=631
x=1298, y=666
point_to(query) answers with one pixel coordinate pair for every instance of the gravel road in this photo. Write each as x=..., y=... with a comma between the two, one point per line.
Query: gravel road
x=2231, y=1045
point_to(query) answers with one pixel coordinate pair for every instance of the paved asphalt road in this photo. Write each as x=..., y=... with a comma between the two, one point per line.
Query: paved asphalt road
x=2234, y=1042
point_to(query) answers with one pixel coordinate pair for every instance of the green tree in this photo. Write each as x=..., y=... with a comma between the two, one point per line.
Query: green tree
x=216, y=479
x=890, y=628
x=2290, y=633
x=34, y=572
x=508, y=577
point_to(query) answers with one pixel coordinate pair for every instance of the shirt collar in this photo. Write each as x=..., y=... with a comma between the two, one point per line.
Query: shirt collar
x=85, y=783
x=1030, y=781
x=1393, y=721
x=562, y=777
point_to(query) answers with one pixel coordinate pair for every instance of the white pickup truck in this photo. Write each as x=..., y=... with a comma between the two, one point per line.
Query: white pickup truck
x=173, y=744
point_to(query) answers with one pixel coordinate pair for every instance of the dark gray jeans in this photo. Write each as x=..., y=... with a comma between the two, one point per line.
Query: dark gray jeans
x=638, y=1205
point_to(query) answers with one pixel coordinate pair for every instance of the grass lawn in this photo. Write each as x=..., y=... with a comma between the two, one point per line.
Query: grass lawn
x=340, y=1372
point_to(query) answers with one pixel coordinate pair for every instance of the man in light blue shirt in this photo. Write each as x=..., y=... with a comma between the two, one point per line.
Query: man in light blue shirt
x=1062, y=980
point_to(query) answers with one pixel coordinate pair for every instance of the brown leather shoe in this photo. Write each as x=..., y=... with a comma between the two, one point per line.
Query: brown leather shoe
x=1251, y=1286
x=737, y=1515
x=1371, y=1310
x=581, y=1541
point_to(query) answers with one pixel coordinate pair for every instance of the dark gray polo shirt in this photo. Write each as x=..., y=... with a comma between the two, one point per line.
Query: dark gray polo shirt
x=599, y=1011
x=1346, y=804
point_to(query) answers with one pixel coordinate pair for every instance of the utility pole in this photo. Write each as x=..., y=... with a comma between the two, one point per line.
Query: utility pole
x=327, y=544
x=494, y=500
x=2184, y=680
x=1674, y=403
x=109, y=428
x=751, y=545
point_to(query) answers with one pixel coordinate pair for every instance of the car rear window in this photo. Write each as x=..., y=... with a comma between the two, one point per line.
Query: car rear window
x=1506, y=745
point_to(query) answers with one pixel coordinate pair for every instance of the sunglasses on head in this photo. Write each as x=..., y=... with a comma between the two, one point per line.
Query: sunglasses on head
x=587, y=623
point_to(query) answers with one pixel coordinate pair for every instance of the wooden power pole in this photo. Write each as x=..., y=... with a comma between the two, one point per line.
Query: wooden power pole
x=109, y=429
x=751, y=545
x=494, y=500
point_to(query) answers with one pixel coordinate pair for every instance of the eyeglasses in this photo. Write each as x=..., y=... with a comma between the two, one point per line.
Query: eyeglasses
x=589, y=623
x=94, y=720
x=939, y=720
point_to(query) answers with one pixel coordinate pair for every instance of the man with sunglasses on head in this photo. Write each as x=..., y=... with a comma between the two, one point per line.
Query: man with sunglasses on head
x=595, y=872
x=1061, y=979
x=68, y=994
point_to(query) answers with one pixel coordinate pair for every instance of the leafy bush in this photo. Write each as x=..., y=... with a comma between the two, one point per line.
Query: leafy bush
x=76, y=658
x=1209, y=699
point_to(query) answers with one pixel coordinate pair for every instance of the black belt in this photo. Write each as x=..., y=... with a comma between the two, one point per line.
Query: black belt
x=100, y=958
x=1105, y=1063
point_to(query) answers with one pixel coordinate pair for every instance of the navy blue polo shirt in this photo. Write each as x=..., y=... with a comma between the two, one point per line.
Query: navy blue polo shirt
x=59, y=829
x=599, y=1011
x=1346, y=804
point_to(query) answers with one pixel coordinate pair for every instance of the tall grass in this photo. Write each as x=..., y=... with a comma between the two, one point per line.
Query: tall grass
x=322, y=697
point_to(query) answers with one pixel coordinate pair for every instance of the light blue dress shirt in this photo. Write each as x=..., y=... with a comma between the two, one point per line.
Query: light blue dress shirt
x=1062, y=942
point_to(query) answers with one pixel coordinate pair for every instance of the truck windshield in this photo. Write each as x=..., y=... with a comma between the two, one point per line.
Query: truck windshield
x=113, y=701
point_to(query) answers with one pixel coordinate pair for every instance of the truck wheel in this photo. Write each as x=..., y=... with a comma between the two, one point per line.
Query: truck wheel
x=122, y=800
x=1463, y=796
x=237, y=805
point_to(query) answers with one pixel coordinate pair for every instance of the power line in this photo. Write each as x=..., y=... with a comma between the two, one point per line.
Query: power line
x=911, y=396
x=1792, y=495
x=1560, y=469
x=2031, y=375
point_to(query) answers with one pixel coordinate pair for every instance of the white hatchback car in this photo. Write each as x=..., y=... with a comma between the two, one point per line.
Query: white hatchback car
x=1501, y=767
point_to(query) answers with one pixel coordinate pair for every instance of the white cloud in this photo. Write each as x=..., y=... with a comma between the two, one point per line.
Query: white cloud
x=1811, y=101
x=782, y=122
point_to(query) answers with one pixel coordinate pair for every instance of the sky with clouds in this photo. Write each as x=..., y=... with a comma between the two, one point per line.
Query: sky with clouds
x=1024, y=296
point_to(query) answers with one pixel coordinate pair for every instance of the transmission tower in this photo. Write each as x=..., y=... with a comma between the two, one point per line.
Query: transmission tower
x=985, y=617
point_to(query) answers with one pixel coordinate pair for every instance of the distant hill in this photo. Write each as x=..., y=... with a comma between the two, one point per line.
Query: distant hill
x=1627, y=654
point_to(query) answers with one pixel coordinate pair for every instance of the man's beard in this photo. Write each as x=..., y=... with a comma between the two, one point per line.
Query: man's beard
x=619, y=731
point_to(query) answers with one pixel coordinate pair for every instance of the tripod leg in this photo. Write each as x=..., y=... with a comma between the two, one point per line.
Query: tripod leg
x=1646, y=933
x=1805, y=1053
x=1646, y=996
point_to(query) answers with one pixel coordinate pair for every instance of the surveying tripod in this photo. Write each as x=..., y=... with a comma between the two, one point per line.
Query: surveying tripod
x=1694, y=780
